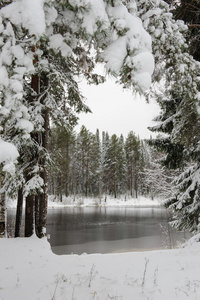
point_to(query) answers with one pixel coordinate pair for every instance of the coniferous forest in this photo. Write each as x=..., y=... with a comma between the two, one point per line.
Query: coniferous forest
x=99, y=165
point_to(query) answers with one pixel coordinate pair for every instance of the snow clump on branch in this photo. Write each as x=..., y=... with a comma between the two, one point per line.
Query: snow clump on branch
x=8, y=156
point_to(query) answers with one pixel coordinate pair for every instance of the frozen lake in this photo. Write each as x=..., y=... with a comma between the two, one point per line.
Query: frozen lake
x=107, y=230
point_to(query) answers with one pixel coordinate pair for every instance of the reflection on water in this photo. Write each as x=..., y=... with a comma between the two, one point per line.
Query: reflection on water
x=105, y=229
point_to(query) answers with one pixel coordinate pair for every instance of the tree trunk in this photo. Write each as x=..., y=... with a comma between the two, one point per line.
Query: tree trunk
x=43, y=202
x=2, y=216
x=87, y=177
x=2, y=208
x=136, y=183
x=37, y=214
x=18, y=221
x=39, y=85
x=67, y=172
x=43, y=197
x=43, y=210
x=131, y=181
x=29, y=216
x=30, y=199
x=61, y=172
x=115, y=188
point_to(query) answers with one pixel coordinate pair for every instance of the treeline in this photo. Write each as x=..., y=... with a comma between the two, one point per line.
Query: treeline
x=92, y=165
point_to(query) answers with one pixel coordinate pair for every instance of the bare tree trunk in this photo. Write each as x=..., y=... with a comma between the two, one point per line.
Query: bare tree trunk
x=18, y=221
x=136, y=183
x=2, y=207
x=2, y=216
x=43, y=197
x=131, y=182
x=29, y=216
x=61, y=172
x=67, y=172
x=87, y=177
x=37, y=214
x=43, y=208
x=115, y=188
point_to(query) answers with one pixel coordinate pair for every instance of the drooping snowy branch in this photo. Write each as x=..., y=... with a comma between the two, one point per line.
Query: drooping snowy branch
x=8, y=156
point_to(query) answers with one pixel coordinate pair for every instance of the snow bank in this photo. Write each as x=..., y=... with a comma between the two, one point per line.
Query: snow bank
x=192, y=242
x=28, y=267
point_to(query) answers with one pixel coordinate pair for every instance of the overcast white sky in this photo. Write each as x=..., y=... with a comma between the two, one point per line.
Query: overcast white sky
x=116, y=110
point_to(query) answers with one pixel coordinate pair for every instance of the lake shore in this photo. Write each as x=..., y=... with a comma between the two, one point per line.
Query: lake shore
x=110, y=202
x=80, y=201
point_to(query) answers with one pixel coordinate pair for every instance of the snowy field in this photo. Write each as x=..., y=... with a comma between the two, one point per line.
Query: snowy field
x=29, y=270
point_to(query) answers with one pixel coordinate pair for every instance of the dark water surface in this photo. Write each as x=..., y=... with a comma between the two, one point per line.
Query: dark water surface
x=106, y=230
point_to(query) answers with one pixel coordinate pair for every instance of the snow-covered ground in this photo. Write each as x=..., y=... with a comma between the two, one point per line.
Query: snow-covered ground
x=29, y=270
x=54, y=202
x=110, y=201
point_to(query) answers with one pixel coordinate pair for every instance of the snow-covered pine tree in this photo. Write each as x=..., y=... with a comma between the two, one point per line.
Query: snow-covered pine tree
x=95, y=174
x=185, y=202
x=104, y=169
x=122, y=167
x=177, y=92
x=61, y=142
x=188, y=11
x=84, y=143
x=132, y=150
x=114, y=167
x=15, y=65
x=156, y=178
x=8, y=156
